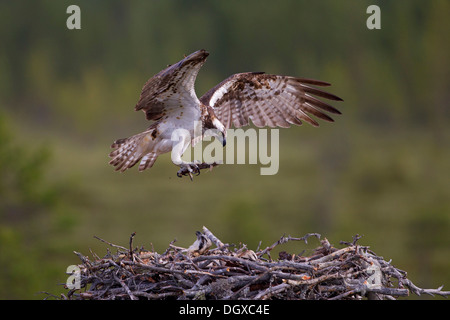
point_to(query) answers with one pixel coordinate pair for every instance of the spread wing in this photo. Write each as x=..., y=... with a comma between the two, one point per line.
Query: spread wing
x=268, y=100
x=172, y=87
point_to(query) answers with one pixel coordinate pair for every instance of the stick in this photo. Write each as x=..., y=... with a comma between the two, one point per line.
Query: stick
x=284, y=239
x=109, y=243
x=131, y=245
x=213, y=238
x=122, y=283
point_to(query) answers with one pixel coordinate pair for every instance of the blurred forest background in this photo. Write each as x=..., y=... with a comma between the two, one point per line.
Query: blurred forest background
x=381, y=170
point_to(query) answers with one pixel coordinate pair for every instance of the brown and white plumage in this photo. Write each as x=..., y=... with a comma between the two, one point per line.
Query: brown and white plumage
x=129, y=151
x=268, y=100
x=169, y=99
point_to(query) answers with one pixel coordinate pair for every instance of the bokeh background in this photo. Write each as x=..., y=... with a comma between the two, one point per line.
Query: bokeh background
x=381, y=170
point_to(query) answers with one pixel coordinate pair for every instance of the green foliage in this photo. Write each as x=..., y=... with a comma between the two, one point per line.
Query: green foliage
x=22, y=195
x=21, y=173
x=380, y=170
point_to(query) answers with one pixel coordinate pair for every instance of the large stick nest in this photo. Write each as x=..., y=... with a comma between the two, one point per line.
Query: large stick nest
x=227, y=272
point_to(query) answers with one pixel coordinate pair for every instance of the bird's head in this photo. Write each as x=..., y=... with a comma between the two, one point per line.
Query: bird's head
x=212, y=125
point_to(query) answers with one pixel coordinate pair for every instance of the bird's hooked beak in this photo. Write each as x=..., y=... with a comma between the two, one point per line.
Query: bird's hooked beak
x=222, y=130
x=224, y=139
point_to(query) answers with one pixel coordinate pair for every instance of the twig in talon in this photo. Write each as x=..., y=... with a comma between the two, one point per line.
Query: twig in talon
x=197, y=169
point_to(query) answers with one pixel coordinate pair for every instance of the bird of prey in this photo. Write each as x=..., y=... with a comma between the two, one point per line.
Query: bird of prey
x=169, y=100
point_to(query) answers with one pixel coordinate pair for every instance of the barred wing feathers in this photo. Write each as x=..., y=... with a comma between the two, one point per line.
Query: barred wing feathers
x=163, y=94
x=269, y=100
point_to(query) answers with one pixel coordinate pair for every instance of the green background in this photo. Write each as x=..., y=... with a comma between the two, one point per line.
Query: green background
x=381, y=170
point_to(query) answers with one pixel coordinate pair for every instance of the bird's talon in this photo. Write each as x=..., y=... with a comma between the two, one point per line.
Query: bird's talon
x=188, y=169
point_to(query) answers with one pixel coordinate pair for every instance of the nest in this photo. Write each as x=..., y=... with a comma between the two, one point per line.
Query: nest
x=224, y=272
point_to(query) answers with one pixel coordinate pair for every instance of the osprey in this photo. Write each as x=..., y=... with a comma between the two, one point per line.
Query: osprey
x=169, y=100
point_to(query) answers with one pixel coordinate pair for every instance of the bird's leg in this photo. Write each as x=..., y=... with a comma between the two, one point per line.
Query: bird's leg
x=181, y=140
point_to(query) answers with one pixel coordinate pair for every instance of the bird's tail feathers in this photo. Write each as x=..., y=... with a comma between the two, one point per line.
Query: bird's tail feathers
x=129, y=151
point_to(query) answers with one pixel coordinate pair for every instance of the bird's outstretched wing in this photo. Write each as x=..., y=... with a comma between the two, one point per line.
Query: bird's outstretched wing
x=268, y=100
x=174, y=86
